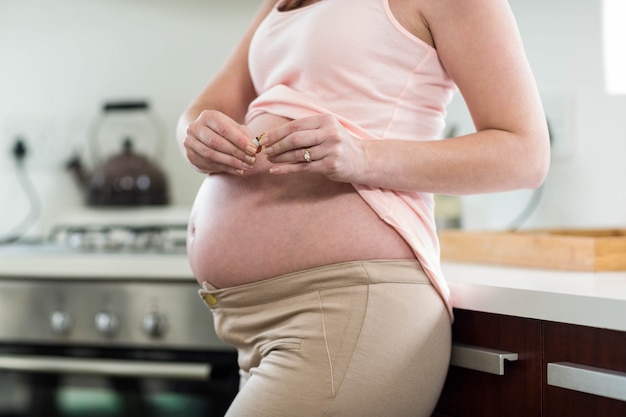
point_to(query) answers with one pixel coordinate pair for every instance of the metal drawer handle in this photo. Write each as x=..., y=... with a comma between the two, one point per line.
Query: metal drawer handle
x=596, y=381
x=106, y=367
x=480, y=359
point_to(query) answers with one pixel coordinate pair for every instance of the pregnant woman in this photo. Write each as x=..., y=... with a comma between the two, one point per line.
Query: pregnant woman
x=313, y=233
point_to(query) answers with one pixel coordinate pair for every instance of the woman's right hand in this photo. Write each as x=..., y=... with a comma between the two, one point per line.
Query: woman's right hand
x=215, y=143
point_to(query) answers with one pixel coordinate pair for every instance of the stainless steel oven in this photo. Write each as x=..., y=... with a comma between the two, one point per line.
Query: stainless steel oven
x=102, y=332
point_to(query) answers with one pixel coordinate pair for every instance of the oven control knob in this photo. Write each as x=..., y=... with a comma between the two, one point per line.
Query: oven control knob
x=60, y=322
x=154, y=325
x=107, y=324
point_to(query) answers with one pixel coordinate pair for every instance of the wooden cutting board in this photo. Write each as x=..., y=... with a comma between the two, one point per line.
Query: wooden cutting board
x=572, y=250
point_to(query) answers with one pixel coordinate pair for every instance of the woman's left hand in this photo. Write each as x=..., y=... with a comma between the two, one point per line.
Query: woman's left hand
x=318, y=144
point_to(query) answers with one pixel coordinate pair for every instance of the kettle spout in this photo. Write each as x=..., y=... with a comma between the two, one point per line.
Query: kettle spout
x=75, y=166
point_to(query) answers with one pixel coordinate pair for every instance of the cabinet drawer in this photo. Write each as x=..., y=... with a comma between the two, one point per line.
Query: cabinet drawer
x=517, y=393
x=578, y=348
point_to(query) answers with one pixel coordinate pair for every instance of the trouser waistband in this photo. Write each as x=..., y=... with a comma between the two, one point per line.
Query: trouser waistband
x=315, y=279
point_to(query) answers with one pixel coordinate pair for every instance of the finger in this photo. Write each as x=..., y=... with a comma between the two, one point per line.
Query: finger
x=206, y=166
x=217, y=138
x=238, y=139
x=299, y=160
x=208, y=141
x=209, y=156
x=291, y=148
x=292, y=135
x=296, y=156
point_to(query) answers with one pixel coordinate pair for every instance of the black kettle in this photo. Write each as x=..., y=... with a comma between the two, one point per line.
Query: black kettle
x=126, y=178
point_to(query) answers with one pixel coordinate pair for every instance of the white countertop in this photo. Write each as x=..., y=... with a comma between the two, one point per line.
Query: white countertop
x=596, y=299
x=18, y=262
x=584, y=298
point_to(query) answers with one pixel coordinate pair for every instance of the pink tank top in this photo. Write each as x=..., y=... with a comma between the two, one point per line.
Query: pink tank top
x=353, y=59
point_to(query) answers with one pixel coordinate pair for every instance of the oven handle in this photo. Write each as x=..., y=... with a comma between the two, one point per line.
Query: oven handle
x=106, y=367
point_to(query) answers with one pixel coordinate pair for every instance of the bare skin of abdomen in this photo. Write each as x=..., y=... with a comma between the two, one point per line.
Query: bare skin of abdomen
x=258, y=226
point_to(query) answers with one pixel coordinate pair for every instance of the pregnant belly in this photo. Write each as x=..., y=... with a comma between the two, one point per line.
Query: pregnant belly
x=254, y=227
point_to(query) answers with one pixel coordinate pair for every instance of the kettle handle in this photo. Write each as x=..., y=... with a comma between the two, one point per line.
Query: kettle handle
x=127, y=106
x=121, y=106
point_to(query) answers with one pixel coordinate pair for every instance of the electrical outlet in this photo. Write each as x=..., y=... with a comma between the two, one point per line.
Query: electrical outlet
x=559, y=110
x=41, y=138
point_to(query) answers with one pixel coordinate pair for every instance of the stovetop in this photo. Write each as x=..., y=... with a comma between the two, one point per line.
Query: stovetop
x=112, y=251
x=119, y=238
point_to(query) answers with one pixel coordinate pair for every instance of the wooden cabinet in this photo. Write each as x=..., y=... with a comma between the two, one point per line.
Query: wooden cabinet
x=469, y=393
x=574, y=346
x=523, y=389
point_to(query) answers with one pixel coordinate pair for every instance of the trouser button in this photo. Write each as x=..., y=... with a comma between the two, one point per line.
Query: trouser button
x=210, y=299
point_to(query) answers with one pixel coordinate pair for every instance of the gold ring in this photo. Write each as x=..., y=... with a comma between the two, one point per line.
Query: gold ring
x=307, y=155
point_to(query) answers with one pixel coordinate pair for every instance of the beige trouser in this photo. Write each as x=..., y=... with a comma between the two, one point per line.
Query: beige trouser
x=355, y=339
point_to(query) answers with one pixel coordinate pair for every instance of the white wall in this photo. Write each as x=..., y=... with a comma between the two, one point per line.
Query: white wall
x=60, y=60
x=586, y=186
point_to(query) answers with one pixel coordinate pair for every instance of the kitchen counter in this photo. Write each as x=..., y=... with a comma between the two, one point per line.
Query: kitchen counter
x=57, y=263
x=596, y=299
x=584, y=298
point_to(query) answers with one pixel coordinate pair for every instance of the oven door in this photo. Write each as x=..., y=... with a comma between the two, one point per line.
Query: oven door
x=115, y=382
